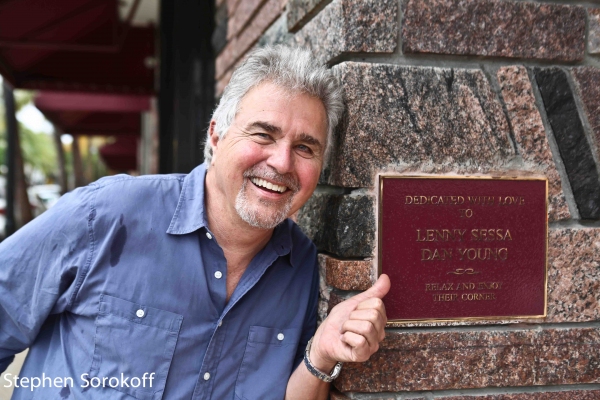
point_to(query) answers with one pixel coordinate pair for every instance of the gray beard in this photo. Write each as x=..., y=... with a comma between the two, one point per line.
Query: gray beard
x=257, y=219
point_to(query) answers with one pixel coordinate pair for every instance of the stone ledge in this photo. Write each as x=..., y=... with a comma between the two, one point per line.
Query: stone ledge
x=350, y=26
x=409, y=361
x=494, y=28
x=539, y=395
x=562, y=395
x=335, y=395
x=348, y=274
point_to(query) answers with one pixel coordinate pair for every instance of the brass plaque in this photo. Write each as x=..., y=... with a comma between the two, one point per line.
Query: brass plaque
x=460, y=248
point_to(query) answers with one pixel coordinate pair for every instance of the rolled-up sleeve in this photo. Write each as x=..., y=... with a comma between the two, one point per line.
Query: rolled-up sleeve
x=41, y=269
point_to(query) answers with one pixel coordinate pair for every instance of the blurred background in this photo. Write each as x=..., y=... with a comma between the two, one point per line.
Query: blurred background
x=99, y=87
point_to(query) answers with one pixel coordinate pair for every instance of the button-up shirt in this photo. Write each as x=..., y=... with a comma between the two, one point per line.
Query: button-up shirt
x=121, y=288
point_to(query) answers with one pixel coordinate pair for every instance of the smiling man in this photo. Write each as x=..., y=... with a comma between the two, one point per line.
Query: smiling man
x=200, y=281
x=268, y=163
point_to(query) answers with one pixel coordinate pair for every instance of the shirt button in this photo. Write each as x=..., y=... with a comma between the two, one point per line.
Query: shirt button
x=280, y=336
x=206, y=376
x=218, y=274
x=140, y=313
x=220, y=322
x=208, y=235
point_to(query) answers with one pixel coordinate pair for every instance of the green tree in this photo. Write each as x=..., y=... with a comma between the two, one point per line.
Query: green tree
x=39, y=151
x=38, y=148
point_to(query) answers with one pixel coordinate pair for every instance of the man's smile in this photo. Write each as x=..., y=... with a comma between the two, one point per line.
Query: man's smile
x=267, y=180
x=263, y=184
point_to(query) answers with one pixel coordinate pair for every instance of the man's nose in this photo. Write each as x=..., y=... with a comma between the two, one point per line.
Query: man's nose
x=281, y=159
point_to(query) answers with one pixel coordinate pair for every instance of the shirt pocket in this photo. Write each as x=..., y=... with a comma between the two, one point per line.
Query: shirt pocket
x=132, y=340
x=267, y=363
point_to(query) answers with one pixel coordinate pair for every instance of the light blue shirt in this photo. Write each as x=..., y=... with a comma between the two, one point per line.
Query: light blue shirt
x=122, y=281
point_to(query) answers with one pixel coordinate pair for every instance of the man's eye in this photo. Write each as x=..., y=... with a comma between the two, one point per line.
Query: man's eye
x=262, y=136
x=305, y=151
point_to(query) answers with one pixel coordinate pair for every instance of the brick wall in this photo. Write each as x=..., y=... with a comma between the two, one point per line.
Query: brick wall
x=492, y=87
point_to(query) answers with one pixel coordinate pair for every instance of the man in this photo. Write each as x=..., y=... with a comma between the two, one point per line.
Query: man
x=192, y=286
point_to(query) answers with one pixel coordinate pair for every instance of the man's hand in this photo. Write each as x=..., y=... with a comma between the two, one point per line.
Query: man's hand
x=353, y=329
x=351, y=332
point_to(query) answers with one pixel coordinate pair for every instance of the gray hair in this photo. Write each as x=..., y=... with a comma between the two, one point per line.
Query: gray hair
x=291, y=68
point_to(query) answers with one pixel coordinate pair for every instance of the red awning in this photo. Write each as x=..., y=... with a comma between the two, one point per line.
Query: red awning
x=121, y=155
x=75, y=45
x=93, y=114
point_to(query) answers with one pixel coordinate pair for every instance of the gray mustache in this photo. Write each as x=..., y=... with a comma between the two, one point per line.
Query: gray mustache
x=273, y=176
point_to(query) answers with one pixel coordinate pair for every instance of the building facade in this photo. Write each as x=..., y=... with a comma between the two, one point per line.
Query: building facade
x=454, y=88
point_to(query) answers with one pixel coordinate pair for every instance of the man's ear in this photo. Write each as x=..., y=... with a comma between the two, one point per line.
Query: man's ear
x=214, y=137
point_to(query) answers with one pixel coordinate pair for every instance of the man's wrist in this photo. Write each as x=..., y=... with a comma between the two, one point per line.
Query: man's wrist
x=320, y=362
x=321, y=373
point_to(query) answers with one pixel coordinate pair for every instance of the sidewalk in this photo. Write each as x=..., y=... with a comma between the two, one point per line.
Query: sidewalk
x=14, y=369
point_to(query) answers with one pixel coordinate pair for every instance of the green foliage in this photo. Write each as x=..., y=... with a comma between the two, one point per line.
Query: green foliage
x=2, y=148
x=22, y=98
x=38, y=149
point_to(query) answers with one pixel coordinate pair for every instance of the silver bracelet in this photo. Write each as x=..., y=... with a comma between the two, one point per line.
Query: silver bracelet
x=316, y=372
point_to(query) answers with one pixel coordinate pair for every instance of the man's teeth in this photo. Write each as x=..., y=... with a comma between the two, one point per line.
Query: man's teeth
x=268, y=185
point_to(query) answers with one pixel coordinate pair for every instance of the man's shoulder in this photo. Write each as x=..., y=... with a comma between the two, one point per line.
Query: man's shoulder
x=132, y=195
x=137, y=182
x=139, y=188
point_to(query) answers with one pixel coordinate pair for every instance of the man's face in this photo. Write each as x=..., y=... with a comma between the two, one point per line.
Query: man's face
x=268, y=164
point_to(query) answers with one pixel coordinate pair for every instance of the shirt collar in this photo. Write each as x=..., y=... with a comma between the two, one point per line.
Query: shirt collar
x=189, y=216
x=282, y=243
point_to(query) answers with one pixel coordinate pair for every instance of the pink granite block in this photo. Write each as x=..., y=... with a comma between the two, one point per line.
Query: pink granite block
x=494, y=28
x=530, y=134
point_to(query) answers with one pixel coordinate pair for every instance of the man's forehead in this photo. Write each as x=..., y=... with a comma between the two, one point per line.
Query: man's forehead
x=270, y=92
